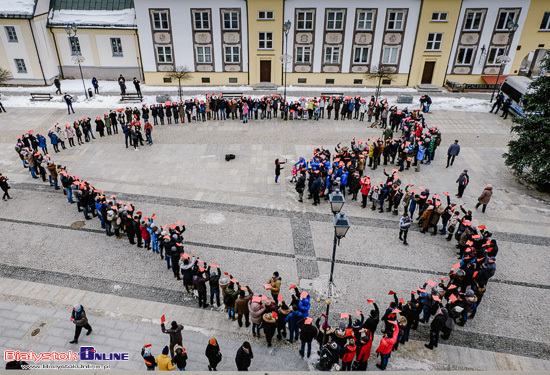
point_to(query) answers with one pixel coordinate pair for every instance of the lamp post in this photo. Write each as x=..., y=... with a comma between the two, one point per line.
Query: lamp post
x=341, y=227
x=78, y=58
x=504, y=59
x=286, y=29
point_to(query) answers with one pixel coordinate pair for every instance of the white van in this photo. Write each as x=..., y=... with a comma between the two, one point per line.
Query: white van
x=515, y=87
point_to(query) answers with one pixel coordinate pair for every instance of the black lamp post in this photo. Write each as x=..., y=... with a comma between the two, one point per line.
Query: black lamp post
x=286, y=29
x=71, y=31
x=503, y=60
x=341, y=227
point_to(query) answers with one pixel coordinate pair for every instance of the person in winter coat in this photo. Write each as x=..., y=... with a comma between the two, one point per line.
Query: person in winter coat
x=300, y=186
x=150, y=362
x=256, y=310
x=363, y=352
x=180, y=359
x=348, y=353
x=52, y=169
x=283, y=312
x=275, y=283
x=365, y=188
x=463, y=181
x=374, y=318
x=54, y=139
x=386, y=346
x=95, y=83
x=244, y=357
x=437, y=325
x=100, y=126
x=137, y=85
x=452, y=152
x=214, y=283
x=293, y=319
x=304, y=305
x=269, y=325
x=164, y=363
x=175, y=336
x=69, y=101
x=278, y=169
x=485, y=197
x=61, y=136
x=213, y=354
x=308, y=332
x=404, y=225
x=57, y=84
x=78, y=317
x=241, y=306
x=199, y=281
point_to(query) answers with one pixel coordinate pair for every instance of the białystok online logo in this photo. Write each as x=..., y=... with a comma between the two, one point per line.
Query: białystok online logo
x=87, y=353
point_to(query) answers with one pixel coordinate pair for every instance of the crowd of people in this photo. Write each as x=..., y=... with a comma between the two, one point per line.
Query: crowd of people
x=342, y=343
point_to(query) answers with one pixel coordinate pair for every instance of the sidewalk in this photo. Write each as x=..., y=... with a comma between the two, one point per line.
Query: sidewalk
x=124, y=324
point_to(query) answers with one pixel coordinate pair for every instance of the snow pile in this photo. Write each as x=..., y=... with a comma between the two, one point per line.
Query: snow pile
x=125, y=17
x=17, y=6
x=335, y=89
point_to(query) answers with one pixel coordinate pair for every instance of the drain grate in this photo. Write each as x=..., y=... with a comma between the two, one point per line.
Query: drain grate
x=35, y=332
x=78, y=224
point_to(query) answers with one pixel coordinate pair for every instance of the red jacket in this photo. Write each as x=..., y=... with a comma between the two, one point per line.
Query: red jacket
x=386, y=344
x=363, y=354
x=365, y=188
x=145, y=234
x=349, y=353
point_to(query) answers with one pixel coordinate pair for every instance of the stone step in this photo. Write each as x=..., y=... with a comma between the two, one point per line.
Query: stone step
x=428, y=88
x=265, y=86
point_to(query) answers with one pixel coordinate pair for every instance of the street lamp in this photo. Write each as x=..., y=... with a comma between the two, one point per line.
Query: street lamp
x=341, y=227
x=286, y=29
x=504, y=59
x=77, y=58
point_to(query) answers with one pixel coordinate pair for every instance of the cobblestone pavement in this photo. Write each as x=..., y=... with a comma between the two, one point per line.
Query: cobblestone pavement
x=236, y=215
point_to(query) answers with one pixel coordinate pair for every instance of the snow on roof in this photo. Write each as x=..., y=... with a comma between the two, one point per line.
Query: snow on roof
x=19, y=7
x=125, y=17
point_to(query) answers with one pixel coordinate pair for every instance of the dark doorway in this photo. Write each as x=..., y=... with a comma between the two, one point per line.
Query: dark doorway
x=428, y=73
x=265, y=71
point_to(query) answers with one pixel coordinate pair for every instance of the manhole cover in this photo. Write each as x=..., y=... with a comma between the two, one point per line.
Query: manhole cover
x=78, y=224
x=35, y=332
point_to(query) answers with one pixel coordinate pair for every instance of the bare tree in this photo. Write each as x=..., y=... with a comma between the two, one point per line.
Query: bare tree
x=180, y=73
x=5, y=74
x=379, y=73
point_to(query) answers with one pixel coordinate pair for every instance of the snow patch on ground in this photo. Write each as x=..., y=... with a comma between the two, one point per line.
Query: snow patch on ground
x=212, y=218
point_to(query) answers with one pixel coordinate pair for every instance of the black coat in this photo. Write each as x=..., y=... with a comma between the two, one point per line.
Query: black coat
x=372, y=321
x=213, y=354
x=243, y=359
x=180, y=360
x=438, y=323
x=308, y=332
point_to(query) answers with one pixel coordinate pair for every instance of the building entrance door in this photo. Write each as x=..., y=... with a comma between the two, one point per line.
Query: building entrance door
x=428, y=73
x=265, y=71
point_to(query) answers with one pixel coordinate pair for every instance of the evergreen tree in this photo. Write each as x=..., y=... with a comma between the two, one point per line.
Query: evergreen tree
x=529, y=150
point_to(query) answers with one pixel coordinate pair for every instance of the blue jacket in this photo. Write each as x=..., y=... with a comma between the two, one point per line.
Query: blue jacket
x=421, y=152
x=293, y=319
x=344, y=179
x=41, y=141
x=53, y=138
x=304, y=306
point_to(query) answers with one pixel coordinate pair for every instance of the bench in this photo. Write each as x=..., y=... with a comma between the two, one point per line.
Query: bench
x=404, y=98
x=40, y=96
x=232, y=95
x=131, y=97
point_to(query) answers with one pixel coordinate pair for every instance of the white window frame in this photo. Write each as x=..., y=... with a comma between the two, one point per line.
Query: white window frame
x=434, y=42
x=204, y=53
x=302, y=25
x=545, y=17
x=334, y=23
x=233, y=19
x=438, y=17
x=508, y=13
x=162, y=22
x=202, y=17
x=166, y=53
x=266, y=15
x=266, y=38
x=361, y=51
x=492, y=56
x=116, y=47
x=473, y=14
x=362, y=23
x=20, y=65
x=465, y=54
x=74, y=45
x=11, y=34
x=303, y=55
x=396, y=22
x=234, y=55
x=332, y=55
x=390, y=55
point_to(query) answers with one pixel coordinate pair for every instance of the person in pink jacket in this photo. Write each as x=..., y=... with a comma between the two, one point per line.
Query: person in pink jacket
x=245, y=112
x=386, y=346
